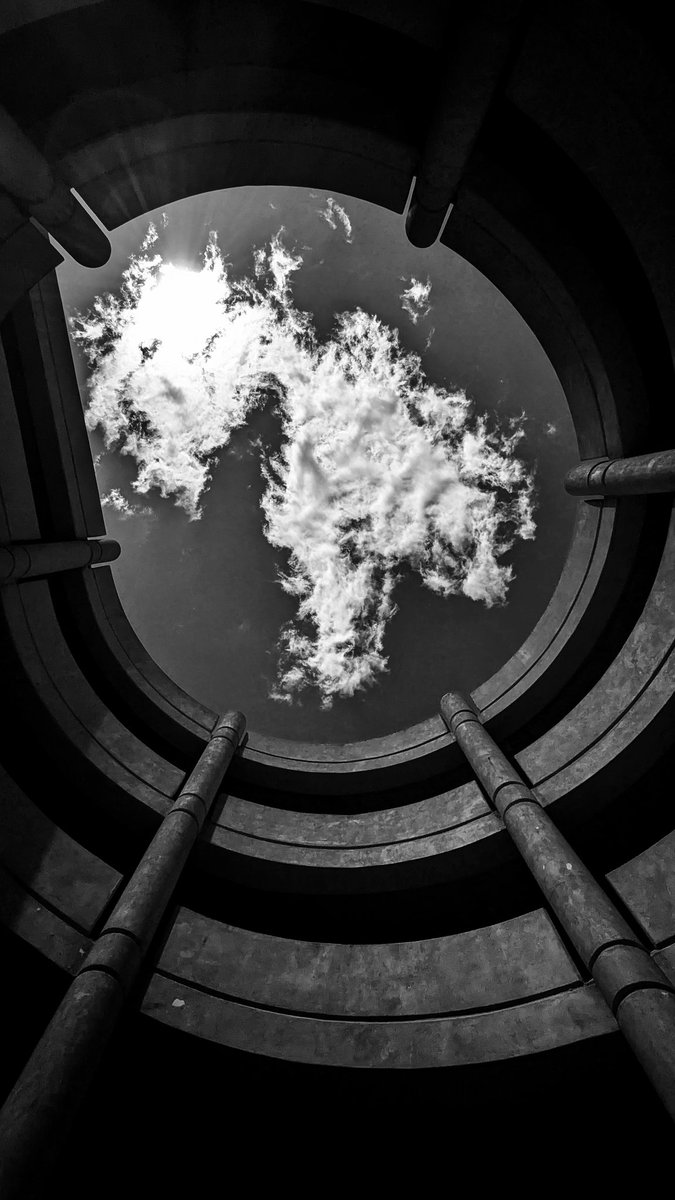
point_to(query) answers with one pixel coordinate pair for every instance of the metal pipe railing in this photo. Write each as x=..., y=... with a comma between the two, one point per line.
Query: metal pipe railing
x=640, y=996
x=642, y=475
x=32, y=560
x=54, y=1082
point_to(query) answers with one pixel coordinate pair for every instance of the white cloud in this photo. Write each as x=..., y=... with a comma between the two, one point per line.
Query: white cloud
x=415, y=299
x=124, y=509
x=379, y=471
x=550, y=429
x=336, y=215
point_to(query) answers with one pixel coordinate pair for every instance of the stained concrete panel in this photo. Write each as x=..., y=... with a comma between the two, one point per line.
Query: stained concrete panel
x=29, y=918
x=47, y=861
x=646, y=885
x=523, y=1029
x=472, y=970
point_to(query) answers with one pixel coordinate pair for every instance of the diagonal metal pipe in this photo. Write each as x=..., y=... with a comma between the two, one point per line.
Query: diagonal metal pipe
x=56, y=1078
x=641, y=475
x=640, y=996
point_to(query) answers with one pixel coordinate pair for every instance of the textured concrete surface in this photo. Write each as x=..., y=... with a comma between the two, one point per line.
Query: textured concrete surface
x=479, y=969
x=646, y=885
x=29, y=919
x=436, y=1042
x=45, y=859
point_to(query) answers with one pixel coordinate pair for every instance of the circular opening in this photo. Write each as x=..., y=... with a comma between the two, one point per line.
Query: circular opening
x=334, y=461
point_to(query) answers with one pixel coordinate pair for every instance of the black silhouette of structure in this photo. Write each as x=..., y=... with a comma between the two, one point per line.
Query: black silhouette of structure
x=470, y=921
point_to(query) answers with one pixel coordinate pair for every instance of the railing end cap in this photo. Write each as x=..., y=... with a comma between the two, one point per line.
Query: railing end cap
x=454, y=703
x=230, y=722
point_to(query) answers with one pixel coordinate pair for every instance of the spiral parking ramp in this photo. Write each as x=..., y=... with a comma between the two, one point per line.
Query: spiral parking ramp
x=355, y=928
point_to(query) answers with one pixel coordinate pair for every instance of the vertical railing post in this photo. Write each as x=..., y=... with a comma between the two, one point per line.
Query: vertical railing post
x=42, y=1104
x=640, y=996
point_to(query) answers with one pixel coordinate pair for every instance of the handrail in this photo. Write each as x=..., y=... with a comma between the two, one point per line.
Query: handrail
x=55, y=1080
x=641, y=475
x=640, y=996
x=33, y=560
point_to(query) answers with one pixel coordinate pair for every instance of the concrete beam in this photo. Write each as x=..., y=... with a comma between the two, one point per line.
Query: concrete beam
x=640, y=996
x=476, y=61
x=55, y=1080
x=33, y=560
x=641, y=475
x=43, y=195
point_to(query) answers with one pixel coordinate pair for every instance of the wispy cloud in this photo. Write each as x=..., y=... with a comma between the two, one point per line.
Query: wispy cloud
x=415, y=299
x=380, y=472
x=123, y=507
x=550, y=429
x=336, y=216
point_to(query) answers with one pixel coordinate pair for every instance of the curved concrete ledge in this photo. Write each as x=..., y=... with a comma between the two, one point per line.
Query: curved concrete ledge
x=482, y=968
x=444, y=857
x=431, y=841
x=639, y=671
x=83, y=733
x=646, y=885
x=52, y=890
x=523, y=1029
x=406, y=822
x=60, y=874
x=46, y=931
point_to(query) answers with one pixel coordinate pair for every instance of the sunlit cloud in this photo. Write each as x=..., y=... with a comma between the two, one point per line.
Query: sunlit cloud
x=550, y=429
x=415, y=299
x=335, y=215
x=380, y=472
x=123, y=507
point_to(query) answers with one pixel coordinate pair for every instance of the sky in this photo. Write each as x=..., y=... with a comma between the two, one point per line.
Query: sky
x=334, y=462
